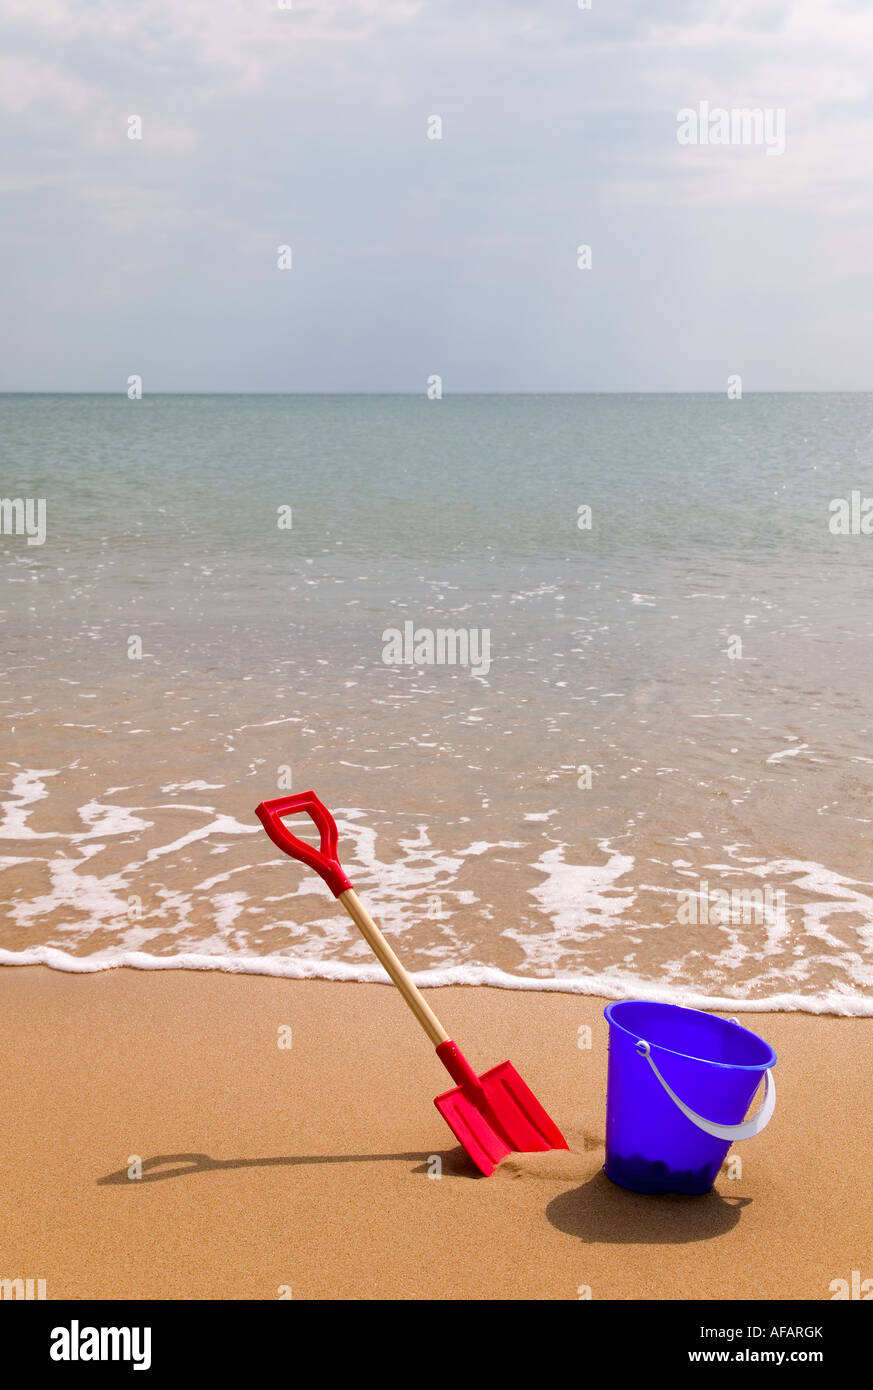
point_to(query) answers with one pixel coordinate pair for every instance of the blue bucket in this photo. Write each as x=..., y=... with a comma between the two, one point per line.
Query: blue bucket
x=678, y=1086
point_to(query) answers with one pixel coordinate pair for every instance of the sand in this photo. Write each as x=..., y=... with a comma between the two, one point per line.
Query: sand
x=269, y=1171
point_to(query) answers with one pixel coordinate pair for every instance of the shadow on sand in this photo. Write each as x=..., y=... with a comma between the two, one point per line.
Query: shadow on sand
x=186, y=1165
x=599, y=1211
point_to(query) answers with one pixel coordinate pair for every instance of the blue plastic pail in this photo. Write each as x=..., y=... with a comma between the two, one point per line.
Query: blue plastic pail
x=679, y=1083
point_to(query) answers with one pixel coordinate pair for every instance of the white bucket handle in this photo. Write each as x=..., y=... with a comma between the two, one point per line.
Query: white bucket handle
x=747, y=1130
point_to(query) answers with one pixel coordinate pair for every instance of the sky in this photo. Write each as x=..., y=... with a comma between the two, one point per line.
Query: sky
x=306, y=126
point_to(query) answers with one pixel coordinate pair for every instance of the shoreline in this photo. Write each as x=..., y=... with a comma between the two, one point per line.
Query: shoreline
x=834, y=1004
x=308, y=1168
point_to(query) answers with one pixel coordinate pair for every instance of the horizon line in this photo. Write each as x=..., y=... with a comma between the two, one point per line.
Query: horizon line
x=413, y=395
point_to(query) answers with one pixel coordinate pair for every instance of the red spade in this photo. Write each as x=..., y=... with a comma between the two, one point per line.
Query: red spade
x=490, y=1115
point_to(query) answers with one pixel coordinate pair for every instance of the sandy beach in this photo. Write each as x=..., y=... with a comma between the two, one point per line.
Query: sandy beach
x=305, y=1171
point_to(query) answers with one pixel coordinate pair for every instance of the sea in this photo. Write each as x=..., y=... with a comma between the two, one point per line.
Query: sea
x=585, y=680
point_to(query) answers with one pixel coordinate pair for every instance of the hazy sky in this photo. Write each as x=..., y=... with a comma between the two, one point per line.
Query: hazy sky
x=307, y=127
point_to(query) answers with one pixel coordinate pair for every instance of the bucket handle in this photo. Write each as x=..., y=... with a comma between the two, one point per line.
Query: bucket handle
x=747, y=1130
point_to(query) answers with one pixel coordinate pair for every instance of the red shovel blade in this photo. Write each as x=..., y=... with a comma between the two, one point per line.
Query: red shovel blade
x=501, y=1115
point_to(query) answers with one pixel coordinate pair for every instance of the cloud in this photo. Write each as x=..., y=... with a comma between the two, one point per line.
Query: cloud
x=263, y=126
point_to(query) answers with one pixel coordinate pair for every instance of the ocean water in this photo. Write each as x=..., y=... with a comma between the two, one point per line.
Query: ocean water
x=659, y=783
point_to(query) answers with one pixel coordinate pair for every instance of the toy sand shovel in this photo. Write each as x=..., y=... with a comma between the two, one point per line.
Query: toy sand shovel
x=490, y=1115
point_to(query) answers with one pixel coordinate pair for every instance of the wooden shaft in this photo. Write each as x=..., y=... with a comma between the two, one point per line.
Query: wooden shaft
x=377, y=943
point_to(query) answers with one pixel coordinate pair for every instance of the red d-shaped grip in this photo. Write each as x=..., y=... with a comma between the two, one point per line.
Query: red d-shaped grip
x=322, y=860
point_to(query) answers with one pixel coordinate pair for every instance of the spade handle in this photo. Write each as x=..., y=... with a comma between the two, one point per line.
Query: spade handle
x=325, y=862
x=380, y=948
